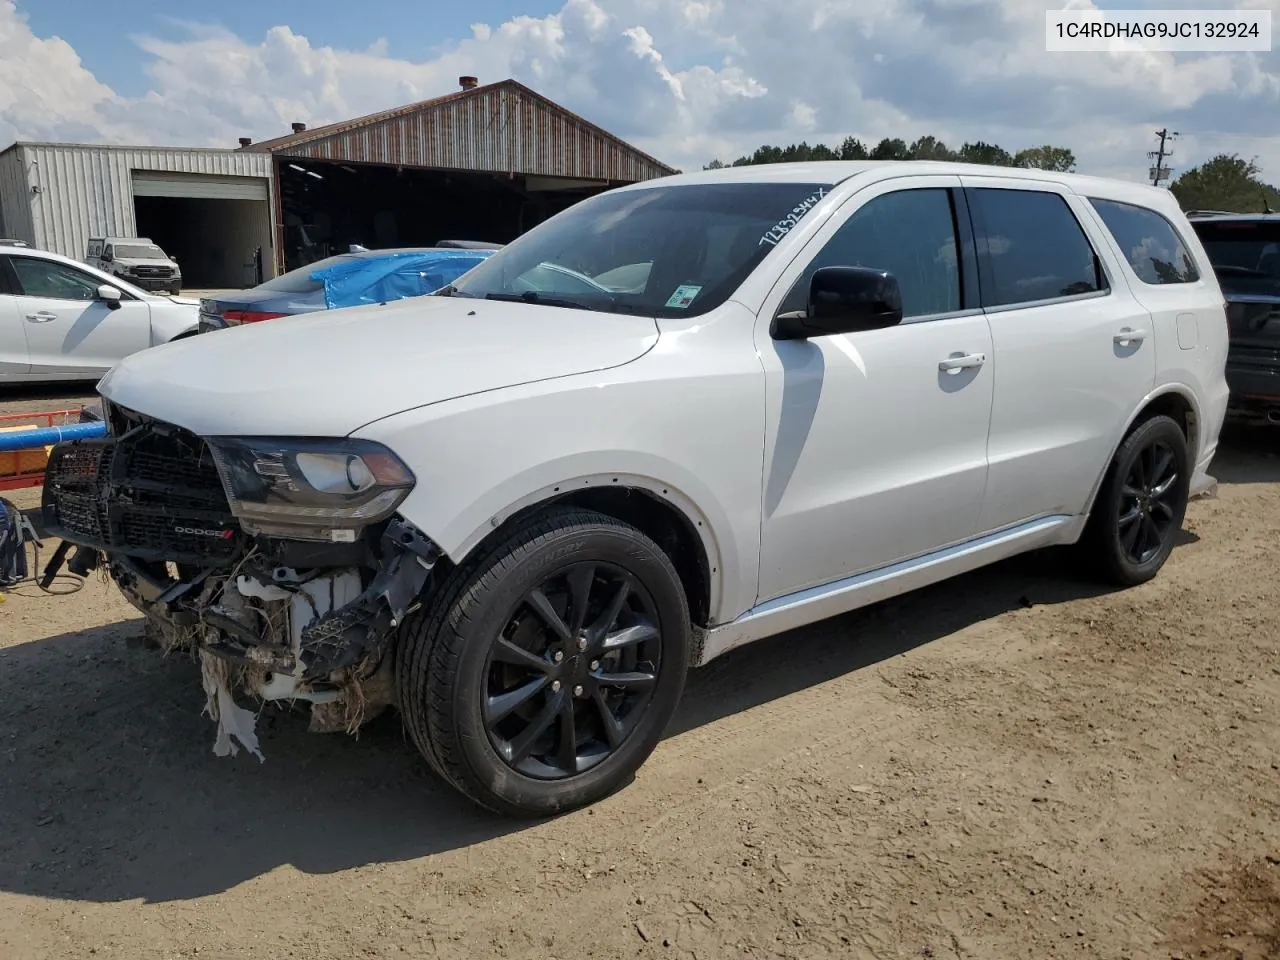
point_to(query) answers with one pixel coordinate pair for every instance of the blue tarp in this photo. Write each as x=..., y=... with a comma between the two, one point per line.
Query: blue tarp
x=394, y=276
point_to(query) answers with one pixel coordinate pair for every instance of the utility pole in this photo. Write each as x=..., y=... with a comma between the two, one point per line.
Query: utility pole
x=1159, y=171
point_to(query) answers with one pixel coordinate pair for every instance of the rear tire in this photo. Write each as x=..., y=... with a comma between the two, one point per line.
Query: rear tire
x=1140, y=507
x=547, y=669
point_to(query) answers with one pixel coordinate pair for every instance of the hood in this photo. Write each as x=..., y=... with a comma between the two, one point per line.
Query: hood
x=144, y=262
x=329, y=374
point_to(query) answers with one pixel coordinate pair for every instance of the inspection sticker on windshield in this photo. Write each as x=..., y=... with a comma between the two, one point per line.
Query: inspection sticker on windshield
x=683, y=297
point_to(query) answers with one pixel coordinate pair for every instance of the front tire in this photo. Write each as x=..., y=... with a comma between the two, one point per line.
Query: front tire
x=547, y=670
x=1140, y=508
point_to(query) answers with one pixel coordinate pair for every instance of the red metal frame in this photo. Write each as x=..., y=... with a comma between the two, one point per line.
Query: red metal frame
x=10, y=478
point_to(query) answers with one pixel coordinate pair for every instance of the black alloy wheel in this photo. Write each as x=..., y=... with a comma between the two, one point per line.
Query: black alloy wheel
x=1140, y=507
x=1148, y=507
x=572, y=672
x=545, y=669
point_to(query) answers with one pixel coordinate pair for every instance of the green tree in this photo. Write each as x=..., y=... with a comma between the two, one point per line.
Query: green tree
x=1226, y=182
x=853, y=149
x=886, y=149
x=930, y=148
x=1059, y=159
x=715, y=165
x=924, y=148
x=987, y=153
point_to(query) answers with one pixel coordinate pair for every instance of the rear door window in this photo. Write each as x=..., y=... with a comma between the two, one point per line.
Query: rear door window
x=1031, y=248
x=1148, y=241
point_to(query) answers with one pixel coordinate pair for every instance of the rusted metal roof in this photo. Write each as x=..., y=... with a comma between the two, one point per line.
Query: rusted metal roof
x=501, y=127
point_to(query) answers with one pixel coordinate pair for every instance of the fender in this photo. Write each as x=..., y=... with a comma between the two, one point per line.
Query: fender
x=1184, y=392
x=712, y=527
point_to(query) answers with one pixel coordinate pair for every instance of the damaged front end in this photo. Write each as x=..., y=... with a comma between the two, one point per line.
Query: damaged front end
x=278, y=562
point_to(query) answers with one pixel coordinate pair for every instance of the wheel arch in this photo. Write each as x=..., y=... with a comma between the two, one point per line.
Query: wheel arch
x=660, y=510
x=1175, y=400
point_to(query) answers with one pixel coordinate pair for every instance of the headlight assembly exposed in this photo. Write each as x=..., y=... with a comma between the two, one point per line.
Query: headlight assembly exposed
x=307, y=488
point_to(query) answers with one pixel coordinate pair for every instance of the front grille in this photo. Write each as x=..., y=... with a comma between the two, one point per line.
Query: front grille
x=152, y=493
x=153, y=273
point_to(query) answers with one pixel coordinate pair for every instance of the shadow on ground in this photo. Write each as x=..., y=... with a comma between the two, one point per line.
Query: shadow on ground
x=110, y=790
x=1248, y=454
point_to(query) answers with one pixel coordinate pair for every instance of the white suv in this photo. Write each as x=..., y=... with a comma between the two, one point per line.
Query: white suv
x=676, y=418
x=63, y=320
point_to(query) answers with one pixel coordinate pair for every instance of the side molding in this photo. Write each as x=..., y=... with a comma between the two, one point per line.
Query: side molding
x=822, y=602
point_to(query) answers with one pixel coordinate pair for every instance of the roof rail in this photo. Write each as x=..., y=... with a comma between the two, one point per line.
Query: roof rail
x=6, y=242
x=1211, y=213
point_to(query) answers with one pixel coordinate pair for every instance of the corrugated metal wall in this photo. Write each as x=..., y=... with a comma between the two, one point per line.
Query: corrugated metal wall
x=15, y=198
x=87, y=191
x=502, y=130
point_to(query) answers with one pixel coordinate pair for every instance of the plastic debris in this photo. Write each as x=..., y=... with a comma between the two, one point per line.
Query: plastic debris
x=234, y=722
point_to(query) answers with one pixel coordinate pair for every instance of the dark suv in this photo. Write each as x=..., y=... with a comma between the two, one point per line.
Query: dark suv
x=1245, y=251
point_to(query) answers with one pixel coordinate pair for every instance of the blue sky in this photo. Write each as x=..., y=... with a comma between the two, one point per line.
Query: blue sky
x=686, y=80
x=100, y=30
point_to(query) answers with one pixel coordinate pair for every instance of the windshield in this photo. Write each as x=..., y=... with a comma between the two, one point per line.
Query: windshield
x=138, y=251
x=657, y=251
x=299, y=281
x=1245, y=254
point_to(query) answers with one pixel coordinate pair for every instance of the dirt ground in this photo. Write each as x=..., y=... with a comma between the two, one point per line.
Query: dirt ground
x=1013, y=764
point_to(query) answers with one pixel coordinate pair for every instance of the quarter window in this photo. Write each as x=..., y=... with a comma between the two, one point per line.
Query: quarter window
x=42, y=278
x=910, y=234
x=1149, y=243
x=1033, y=248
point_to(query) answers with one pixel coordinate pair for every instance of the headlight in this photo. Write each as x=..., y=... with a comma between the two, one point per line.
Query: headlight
x=310, y=489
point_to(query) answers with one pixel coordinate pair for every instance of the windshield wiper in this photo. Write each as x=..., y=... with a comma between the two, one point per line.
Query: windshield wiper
x=533, y=296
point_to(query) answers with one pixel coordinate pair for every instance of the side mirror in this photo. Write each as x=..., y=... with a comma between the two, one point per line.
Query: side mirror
x=843, y=300
x=111, y=295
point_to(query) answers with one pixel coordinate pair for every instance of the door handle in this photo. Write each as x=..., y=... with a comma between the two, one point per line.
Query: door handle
x=954, y=365
x=1128, y=335
x=44, y=316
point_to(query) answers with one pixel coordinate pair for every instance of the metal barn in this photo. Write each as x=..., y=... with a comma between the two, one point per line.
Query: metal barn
x=210, y=209
x=481, y=163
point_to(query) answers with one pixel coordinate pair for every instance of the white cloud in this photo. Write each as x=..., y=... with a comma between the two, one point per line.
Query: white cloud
x=688, y=80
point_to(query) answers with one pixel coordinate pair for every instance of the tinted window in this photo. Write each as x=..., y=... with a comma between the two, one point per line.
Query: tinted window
x=1245, y=253
x=1034, y=248
x=1149, y=242
x=42, y=278
x=299, y=281
x=663, y=251
x=911, y=234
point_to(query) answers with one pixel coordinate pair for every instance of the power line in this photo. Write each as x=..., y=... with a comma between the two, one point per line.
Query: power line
x=1159, y=171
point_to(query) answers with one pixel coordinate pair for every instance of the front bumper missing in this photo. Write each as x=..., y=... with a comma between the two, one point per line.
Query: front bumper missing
x=335, y=639
x=277, y=620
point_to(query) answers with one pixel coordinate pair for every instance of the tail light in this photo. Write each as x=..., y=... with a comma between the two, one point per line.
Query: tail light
x=249, y=316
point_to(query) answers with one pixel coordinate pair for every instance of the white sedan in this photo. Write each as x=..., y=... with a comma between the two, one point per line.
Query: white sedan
x=63, y=320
